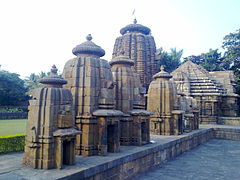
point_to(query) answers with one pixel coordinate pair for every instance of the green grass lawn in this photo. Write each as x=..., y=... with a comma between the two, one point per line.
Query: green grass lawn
x=12, y=126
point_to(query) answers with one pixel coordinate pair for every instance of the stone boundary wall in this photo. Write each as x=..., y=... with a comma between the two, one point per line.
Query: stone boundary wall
x=126, y=164
x=13, y=115
x=227, y=133
x=129, y=166
x=233, y=121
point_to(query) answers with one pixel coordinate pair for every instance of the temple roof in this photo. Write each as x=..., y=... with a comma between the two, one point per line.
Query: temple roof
x=88, y=47
x=162, y=74
x=121, y=59
x=135, y=28
x=53, y=78
x=201, y=81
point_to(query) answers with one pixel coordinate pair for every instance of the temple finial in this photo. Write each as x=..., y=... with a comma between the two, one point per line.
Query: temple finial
x=54, y=70
x=135, y=21
x=89, y=37
x=162, y=68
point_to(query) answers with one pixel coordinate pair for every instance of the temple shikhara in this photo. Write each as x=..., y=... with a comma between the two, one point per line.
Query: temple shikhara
x=97, y=105
x=129, y=96
x=138, y=44
x=90, y=81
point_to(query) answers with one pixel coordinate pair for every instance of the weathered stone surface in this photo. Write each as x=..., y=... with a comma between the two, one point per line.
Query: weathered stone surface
x=215, y=159
x=162, y=101
x=137, y=43
x=50, y=137
x=91, y=84
x=130, y=161
x=213, y=91
x=131, y=101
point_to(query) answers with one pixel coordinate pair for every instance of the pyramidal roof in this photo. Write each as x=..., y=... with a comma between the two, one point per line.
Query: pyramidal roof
x=201, y=81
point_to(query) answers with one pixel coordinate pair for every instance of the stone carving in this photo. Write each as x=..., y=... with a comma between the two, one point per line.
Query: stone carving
x=91, y=84
x=130, y=100
x=50, y=138
x=162, y=100
x=137, y=43
x=191, y=112
x=213, y=91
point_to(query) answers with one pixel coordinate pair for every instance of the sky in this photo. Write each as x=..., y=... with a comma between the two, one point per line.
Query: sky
x=35, y=34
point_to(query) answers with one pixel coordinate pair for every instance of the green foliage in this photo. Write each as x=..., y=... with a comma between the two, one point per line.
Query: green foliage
x=170, y=60
x=231, y=44
x=12, y=143
x=32, y=82
x=13, y=110
x=12, y=89
x=211, y=61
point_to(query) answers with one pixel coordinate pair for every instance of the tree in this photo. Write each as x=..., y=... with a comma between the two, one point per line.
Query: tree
x=12, y=89
x=170, y=60
x=193, y=58
x=32, y=82
x=211, y=61
x=231, y=45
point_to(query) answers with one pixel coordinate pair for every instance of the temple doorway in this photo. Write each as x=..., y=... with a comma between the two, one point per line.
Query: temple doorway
x=66, y=152
x=110, y=138
x=143, y=132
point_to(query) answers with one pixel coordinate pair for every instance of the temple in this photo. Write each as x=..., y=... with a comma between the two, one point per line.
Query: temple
x=50, y=134
x=99, y=105
x=129, y=95
x=90, y=81
x=163, y=101
x=213, y=91
x=138, y=44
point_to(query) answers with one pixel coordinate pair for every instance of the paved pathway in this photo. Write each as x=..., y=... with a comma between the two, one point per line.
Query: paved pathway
x=216, y=159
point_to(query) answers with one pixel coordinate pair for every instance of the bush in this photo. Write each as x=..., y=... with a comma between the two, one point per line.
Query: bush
x=12, y=143
x=13, y=109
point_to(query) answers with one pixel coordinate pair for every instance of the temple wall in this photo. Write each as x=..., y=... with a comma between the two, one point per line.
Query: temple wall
x=129, y=165
x=235, y=121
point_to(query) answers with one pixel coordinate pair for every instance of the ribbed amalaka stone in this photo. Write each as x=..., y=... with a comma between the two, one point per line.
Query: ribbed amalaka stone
x=50, y=134
x=91, y=84
x=129, y=96
x=137, y=43
x=214, y=91
x=162, y=101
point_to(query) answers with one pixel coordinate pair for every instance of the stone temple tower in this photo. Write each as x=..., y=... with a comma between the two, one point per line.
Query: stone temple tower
x=91, y=84
x=130, y=100
x=162, y=100
x=50, y=138
x=138, y=44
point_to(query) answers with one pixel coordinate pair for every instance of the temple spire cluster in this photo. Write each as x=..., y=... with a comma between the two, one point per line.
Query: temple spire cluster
x=98, y=105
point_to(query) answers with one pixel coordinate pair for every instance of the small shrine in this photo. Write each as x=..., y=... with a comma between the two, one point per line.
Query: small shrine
x=191, y=112
x=162, y=101
x=50, y=134
x=90, y=81
x=130, y=99
x=139, y=46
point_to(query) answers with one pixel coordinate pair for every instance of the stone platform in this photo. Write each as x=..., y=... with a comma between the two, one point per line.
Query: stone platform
x=130, y=161
x=216, y=159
